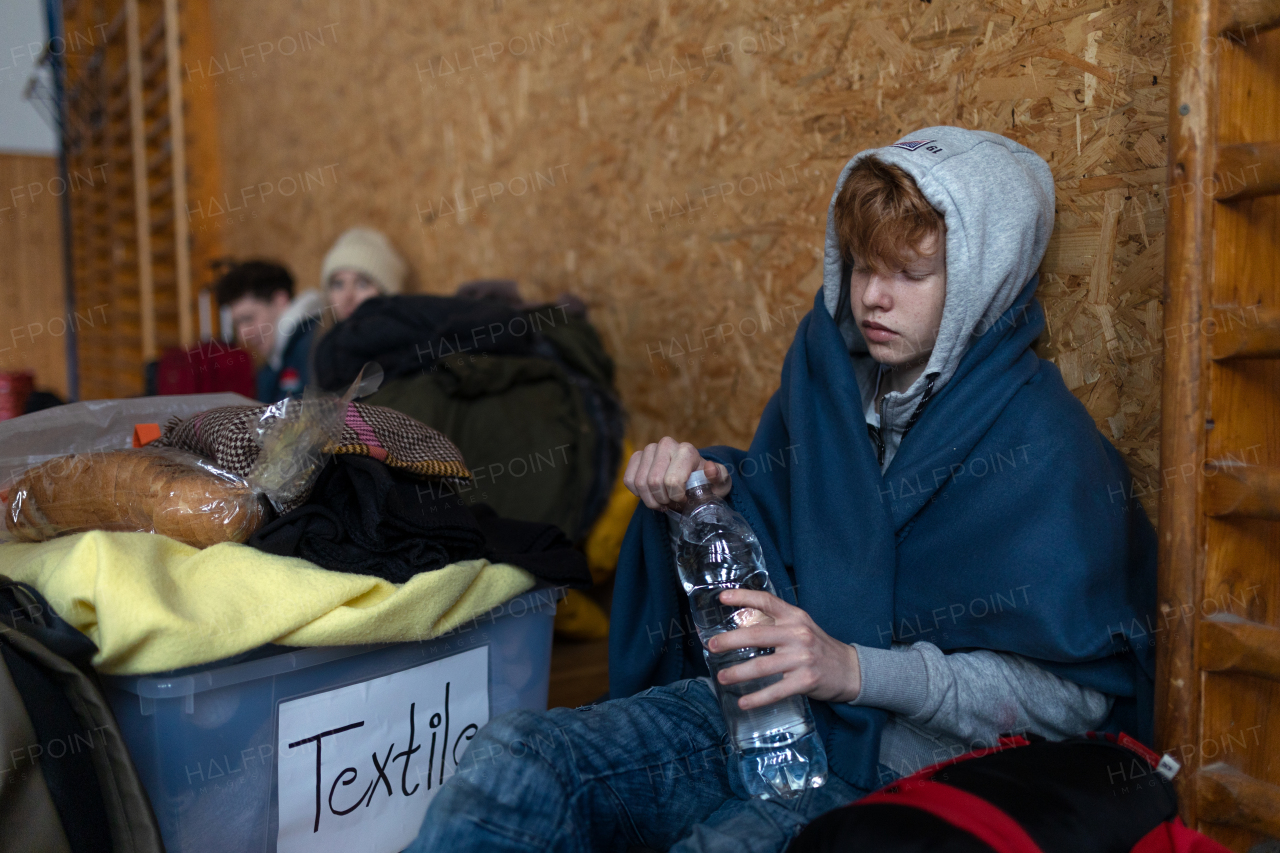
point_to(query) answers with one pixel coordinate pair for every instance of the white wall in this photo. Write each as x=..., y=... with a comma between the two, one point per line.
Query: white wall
x=22, y=34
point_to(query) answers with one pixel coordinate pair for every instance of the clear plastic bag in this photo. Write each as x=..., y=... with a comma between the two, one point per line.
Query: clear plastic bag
x=154, y=490
x=293, y=435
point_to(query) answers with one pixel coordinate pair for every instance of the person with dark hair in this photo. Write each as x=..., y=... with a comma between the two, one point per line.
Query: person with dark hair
x=272, y=323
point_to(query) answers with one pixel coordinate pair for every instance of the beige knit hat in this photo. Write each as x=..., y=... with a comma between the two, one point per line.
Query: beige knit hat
x=366, y=251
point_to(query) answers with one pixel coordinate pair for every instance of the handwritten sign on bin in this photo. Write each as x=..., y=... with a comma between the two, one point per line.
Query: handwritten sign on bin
x=358, y=765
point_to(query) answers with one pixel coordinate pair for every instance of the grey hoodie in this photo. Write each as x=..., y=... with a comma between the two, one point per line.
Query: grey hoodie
x=996, y=198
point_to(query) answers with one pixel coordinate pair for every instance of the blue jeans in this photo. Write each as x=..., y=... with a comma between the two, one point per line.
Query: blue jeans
x=646, y=771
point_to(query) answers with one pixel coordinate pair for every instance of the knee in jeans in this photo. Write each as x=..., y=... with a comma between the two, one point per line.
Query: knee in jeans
x=514, y=736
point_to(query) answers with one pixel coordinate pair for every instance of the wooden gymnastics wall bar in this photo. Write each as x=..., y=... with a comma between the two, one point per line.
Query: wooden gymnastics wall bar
x=178, y=136
x=1232, y=644
x=1239, y=333
x=1218, y=670
x=1232, y=797
x=97, y=141
x=1244, y=491
x=1248, y=15
x=131, y=243
x=141, y=195
x=1247, y=170
x=1188, y=268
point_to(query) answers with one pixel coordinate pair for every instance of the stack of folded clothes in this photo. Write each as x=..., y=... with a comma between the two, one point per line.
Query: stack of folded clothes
x=384, y=504
x=363, y=518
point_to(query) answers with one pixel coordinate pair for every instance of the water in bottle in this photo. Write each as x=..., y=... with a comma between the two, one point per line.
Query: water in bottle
x=776, y=747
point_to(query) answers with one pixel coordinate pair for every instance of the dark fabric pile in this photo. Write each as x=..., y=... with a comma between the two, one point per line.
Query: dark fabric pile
x=525, y=392
x=361, y=518
x=540, y=549
x=366, y=518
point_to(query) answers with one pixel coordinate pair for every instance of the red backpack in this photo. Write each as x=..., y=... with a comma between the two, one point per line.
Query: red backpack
x=1093, y=794
x=207, y=367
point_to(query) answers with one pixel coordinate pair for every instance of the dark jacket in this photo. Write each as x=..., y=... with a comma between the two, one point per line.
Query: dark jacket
x=526, y=395
x=295, y=370
x=288, y=371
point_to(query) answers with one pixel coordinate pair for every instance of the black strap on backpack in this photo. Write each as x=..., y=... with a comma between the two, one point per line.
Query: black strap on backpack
x=63, y=755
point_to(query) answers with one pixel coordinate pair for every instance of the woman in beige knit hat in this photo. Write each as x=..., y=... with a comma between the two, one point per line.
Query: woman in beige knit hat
x=362, y=264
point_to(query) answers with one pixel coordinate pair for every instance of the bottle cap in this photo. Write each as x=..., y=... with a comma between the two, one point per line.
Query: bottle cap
x=697, y=478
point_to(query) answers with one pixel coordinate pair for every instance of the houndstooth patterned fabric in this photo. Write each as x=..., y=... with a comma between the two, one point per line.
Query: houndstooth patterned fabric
x=223, y=436
x=226, y=436
x=400, y=441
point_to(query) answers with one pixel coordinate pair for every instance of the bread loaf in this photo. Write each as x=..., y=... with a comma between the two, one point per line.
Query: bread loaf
x=156, y=491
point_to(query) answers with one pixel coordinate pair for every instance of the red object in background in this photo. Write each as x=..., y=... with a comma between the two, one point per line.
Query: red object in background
x=15, y=388
x=206, y=368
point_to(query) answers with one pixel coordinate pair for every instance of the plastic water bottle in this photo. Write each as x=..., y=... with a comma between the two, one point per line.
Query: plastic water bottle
x=776, y=747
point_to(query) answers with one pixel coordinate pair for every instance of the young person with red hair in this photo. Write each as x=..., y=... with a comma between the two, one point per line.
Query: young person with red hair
x=937, y=513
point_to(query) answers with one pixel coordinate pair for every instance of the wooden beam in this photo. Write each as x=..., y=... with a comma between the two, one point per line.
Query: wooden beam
x=141, y=196
x=178, y=147
x=1229, y=643
x=1246, y=170
x=1225, y=795
x=1241, y=491
x=1188, y=280
x=1244, y=333
x=204, y=178
x=1248, y=16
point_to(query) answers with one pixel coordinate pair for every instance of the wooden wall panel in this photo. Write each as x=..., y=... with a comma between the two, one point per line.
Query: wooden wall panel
x=584, y=147
x=1242, y=555
x=33, y=332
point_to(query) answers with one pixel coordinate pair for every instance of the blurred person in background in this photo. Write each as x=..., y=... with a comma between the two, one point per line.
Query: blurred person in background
x=272, y=323
x=361, y=264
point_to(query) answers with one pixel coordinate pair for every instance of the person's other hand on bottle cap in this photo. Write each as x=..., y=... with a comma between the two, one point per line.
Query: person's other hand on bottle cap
x=657, y=473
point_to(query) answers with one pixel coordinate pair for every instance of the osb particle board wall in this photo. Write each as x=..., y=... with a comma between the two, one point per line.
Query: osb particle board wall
x=672, y=163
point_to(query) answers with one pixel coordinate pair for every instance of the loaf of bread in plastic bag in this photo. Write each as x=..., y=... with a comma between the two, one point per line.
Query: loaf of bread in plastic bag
x=151, y=490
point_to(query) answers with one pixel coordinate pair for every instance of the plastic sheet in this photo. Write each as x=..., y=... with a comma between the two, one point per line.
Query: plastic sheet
x=92, y=426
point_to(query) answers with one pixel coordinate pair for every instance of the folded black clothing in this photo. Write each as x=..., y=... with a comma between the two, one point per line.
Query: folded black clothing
x=543, y=550
x=367, y=518
x=407, y=334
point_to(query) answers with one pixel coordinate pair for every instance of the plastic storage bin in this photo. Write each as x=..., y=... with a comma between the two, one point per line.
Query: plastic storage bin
x=204, y=739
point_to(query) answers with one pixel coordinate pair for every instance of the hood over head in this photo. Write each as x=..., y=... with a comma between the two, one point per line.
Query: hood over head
x=996, y=197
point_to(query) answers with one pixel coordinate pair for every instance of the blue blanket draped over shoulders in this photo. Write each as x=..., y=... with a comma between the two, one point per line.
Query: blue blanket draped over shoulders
x=1006, y=521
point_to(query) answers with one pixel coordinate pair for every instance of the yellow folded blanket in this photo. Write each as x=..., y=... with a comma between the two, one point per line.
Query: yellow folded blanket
x=152, y=604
